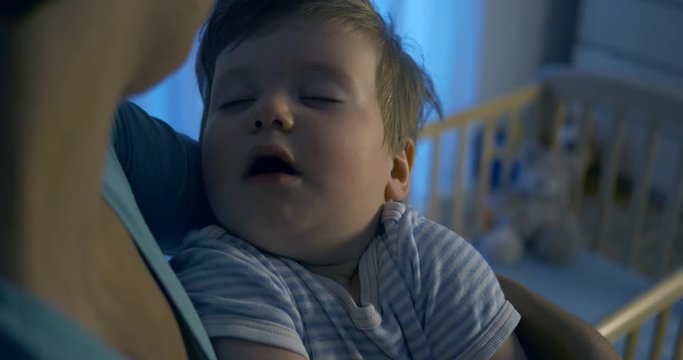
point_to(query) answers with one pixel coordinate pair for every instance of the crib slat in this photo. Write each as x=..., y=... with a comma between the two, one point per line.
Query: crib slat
x=658, y=339
x=507, y=154
x=587, y=128
x=678, y=346
x=559, y=119
x=514, y=140
x=632, y=344
x=641, y=195
x=434, y=178
x=608, y=179
x=459, y=191
x=484, y=172
x=670, y=219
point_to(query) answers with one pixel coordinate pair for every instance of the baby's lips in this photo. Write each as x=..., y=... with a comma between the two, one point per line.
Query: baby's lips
x=270, y=165
x=270, y=157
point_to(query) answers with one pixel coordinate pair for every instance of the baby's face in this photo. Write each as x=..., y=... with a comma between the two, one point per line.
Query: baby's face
x=293, y=152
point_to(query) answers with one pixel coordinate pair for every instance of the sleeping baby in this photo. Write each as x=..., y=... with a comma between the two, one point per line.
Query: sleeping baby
x=311, y=114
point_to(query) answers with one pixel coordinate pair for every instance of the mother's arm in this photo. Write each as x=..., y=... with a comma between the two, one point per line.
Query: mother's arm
x=163, y=169
x=548, y=332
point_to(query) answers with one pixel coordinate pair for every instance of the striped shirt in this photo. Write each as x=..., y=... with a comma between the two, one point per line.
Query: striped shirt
x=425, y=293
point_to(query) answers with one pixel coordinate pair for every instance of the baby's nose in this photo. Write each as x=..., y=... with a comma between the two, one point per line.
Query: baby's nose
x=273, y=113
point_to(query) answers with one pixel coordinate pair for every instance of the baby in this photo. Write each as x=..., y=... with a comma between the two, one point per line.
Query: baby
x=311, y=113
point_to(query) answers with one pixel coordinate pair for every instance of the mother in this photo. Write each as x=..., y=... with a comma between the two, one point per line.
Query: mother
x=73, y=284
x=81, y=275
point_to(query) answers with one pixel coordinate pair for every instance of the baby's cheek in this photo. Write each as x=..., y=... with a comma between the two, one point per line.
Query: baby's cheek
x=217, y=182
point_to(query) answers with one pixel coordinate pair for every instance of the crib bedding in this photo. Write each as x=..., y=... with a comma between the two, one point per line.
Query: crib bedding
x=592, y=288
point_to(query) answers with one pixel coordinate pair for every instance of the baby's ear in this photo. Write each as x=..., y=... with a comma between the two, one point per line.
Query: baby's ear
x=402, y=166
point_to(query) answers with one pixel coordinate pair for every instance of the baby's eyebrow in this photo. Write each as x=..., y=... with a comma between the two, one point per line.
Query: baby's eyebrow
x=245, y=74
x=328, y=71
x=233, y=73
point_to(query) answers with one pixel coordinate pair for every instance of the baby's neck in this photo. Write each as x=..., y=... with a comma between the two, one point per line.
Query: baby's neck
x=344, y=274
x=343, y=266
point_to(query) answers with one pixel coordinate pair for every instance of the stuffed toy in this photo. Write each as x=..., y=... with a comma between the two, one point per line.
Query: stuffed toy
x=534, y=213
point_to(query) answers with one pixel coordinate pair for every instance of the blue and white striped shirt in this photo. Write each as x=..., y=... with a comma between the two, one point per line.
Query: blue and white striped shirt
x=425, y=293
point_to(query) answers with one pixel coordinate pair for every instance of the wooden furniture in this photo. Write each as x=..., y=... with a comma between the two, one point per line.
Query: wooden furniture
x=617, y=126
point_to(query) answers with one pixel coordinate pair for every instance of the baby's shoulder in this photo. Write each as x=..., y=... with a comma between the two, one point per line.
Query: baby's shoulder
x=214, y=244
x=216, y=237
x=433, y=259
x=407, y=228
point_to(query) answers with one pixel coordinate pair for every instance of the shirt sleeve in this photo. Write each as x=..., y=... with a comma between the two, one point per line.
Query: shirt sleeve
x=464, y=310
x=237, y=291
x=163, y=169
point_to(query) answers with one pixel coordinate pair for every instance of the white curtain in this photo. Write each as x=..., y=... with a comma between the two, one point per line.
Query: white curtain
x=445, y=35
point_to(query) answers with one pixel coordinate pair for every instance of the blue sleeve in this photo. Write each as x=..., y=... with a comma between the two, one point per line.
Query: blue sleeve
x=237, y=291
x=164, y=173
x=465, y=314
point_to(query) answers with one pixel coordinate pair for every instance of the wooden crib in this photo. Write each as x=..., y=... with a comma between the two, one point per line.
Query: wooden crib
x=630, y=142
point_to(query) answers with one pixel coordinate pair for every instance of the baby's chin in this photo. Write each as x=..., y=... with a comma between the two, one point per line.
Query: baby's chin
x=305, y=236
x=305, y=249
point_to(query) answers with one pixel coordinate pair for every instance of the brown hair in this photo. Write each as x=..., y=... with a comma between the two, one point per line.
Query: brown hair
x=405, y=92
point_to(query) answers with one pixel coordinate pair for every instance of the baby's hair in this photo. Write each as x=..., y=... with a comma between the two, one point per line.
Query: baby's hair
x=404, y=90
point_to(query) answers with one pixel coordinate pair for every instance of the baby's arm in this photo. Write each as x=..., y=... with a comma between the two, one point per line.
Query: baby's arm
x=510, y=350
x=243, y=302
x=464, y=309
x=234, y=348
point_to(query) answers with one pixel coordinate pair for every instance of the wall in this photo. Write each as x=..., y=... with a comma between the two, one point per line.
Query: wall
x=635, y=39
x=511, y=46
x=519, y=37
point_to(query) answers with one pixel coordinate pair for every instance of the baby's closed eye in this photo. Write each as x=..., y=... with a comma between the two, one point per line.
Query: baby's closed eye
x=238, y=103
x=318, y=100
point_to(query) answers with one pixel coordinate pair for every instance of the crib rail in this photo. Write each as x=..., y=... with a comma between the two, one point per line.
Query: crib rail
x=583, y=99
x=657, y=301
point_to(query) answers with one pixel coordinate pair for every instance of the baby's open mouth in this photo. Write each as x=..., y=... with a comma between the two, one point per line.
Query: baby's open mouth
x=270, y=165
